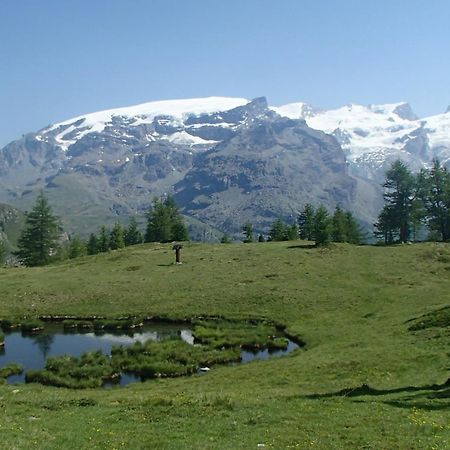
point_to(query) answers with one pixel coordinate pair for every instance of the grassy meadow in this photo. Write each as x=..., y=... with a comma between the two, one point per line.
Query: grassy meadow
x=373, y=373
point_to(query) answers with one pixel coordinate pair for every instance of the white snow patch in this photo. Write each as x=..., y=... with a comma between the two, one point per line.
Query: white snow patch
x=182, y=137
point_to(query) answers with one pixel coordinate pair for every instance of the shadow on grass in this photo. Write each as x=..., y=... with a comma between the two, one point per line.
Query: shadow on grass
x=435, y=391
x=418, y=405
x=303, y=246
x=165, y=265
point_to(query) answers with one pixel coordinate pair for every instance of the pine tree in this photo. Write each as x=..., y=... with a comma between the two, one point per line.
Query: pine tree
x=306, y=222
x=399, y=196
x=92, y=245
x=339, y=226
x=38, y=241
x=76, y=248
x=247, y=229
x=133, y=235
x=158, y=223
x=435, y=192
x=225, y=239
x=165, y=223
x=103, y=240
x=278, y=231
x=116, y=239
x=384, y=227
x=354, y=233
x=291, y=232
x=322, y=226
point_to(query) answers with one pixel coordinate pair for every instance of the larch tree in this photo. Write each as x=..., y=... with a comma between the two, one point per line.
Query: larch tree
x=39, y=239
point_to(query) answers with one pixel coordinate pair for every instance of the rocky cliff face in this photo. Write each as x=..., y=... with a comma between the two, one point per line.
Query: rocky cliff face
x=227, y=160
x=269, y=169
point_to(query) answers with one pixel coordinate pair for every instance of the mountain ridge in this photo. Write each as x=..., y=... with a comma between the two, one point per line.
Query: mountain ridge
x=109, y=164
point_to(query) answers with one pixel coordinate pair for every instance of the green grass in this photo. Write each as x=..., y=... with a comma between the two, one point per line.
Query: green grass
x=90, y=370
x=223, y=334
x=10, y=369
x=168, y=358
x=363, y=380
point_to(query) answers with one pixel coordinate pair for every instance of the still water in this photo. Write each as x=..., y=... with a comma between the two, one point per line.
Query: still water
x=31, y=350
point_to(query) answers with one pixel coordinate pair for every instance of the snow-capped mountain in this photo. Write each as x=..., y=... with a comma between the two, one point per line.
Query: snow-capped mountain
x=169, y=115
x=226, y=159
x=373, y=136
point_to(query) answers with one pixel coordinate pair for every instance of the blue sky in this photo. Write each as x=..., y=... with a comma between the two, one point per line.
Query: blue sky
x=62, y=58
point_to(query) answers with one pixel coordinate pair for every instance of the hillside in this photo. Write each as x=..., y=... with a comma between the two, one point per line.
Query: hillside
x=364, y=378
x=11, y=222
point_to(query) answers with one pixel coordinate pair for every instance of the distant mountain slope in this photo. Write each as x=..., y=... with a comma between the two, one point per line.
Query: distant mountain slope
x=375, y=135
x=267, y=170
x=226, y=159
x=11, y=223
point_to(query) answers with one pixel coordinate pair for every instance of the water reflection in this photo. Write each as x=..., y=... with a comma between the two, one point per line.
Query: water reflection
x=31, y=350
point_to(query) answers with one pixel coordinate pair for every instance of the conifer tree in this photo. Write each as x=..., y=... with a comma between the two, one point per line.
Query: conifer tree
x=164, y=222
x=354, y=233
x=278, y=231
x=39, y=239
x=339, y=225
x=103, y=240
x=306, y=222
x=225, y=239
x=76, y=248
x=133, y=235
x=291, y=232
x=116, y=239
x=179, y=230
x=92, y=245
x=399, y=196
x=247, y=229
x=436, y=195
x=322, y=226
x=384, y=226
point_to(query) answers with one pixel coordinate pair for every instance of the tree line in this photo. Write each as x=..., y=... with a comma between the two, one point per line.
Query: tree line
x=40, y=241
x=414, y=204
x=312, y=224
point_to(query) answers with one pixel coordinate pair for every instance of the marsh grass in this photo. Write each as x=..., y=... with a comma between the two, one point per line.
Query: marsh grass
x=11, y=369
x=91, y=370
x=236, y=334
x=167, y=358
x=31, y=326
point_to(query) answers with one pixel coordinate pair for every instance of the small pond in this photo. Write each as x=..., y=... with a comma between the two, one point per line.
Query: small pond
x=32, y=350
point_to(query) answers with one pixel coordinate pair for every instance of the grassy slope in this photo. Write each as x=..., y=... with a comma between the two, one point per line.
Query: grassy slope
x=349, y=304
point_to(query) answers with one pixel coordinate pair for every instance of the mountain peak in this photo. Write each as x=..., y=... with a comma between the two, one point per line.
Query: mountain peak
x=404, y=111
